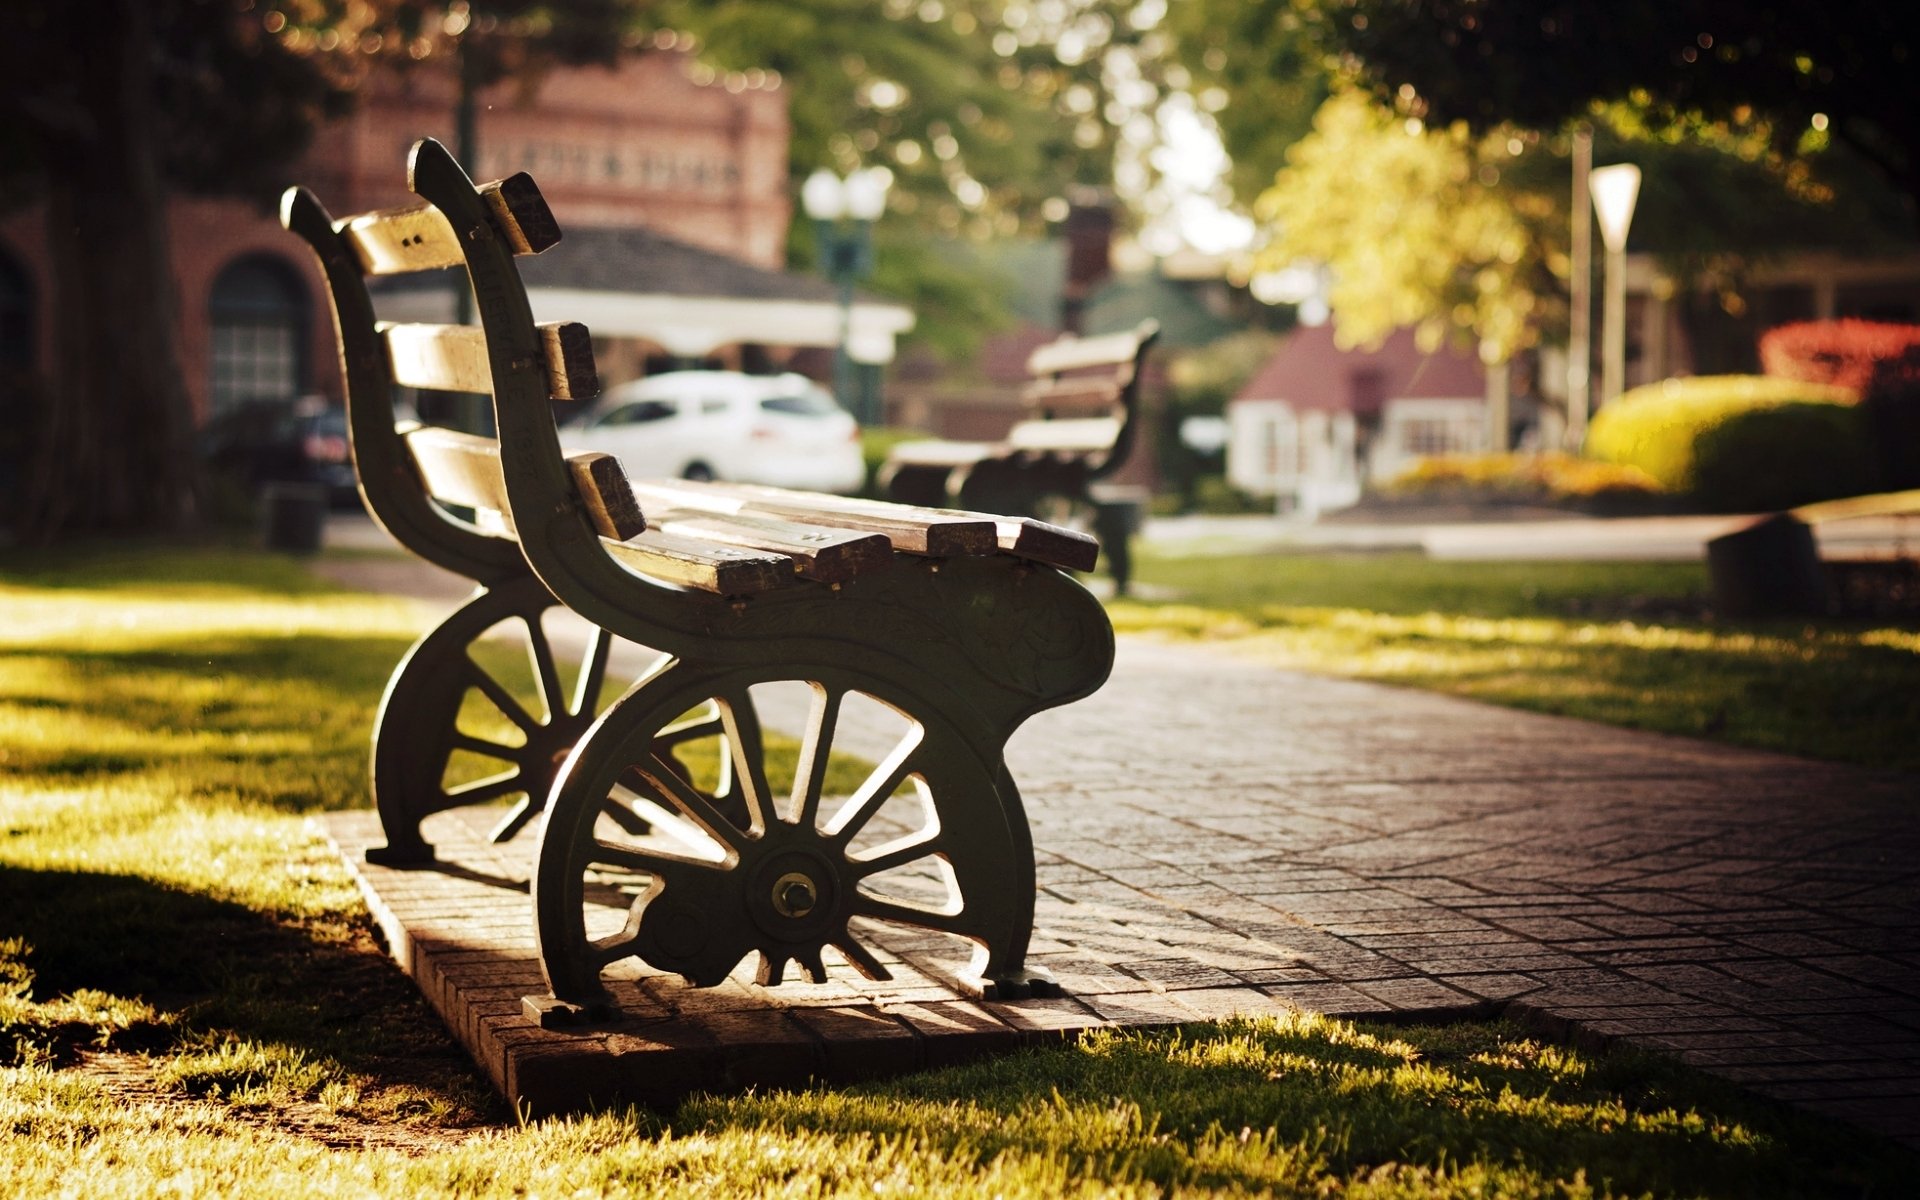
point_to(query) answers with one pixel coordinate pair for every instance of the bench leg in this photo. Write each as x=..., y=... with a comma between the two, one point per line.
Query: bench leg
x=454, y=730
x=827, y=852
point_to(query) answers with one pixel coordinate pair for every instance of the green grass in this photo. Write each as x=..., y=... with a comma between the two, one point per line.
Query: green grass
x=173, y=717
x=1629, y=644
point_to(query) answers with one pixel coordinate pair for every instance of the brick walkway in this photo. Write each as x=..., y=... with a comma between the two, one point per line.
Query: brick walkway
x=1218, y=837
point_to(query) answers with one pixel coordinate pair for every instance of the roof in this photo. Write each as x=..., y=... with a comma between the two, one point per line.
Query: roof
x=632, y=282
x=1308, y=371
x=640, y=260
x=1123, y=301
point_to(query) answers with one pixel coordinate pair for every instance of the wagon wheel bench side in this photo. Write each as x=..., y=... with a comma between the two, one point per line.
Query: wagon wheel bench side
x=963, y=624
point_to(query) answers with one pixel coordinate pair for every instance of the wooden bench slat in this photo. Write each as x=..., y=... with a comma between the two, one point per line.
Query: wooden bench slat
x=941, y=453
x=1881, y=504
x=464, y=469
x=699, y=564
x=610, y=501
x=1078, y=353
x=910, y=530
x=822, y=554
x=417, y=237
x=1078, y=393
x=1079, y=435
x=1022, y=537
x=453, y=358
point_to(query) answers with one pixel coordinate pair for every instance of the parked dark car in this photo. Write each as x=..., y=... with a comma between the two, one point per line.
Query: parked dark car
x=301, y=440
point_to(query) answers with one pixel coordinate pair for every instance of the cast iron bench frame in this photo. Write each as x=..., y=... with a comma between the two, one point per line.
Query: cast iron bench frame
x=964, y=624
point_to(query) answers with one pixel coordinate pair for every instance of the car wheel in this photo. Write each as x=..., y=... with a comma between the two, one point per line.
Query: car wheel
x=698, y=472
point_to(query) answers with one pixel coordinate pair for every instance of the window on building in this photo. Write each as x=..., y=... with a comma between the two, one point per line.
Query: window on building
x=1429, y=435
x=258, y=314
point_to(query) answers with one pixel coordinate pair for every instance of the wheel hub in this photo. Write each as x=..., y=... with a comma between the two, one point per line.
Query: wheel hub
x=793, y=895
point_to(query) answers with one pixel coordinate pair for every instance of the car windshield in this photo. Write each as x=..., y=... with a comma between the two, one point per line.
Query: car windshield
x=804, y=404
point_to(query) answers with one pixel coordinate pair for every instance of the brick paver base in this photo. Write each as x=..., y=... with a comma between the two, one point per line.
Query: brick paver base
x=1217, y=837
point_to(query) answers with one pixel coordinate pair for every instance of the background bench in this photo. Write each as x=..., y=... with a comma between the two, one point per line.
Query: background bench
x=1773, y=567
x=670, y=833
x=1082, y=416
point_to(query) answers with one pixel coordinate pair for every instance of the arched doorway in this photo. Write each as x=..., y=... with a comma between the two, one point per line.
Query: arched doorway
x=258, y=315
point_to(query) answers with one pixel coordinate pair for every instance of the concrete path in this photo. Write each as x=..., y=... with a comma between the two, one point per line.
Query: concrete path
x=1210, y=830
x=1531, y=535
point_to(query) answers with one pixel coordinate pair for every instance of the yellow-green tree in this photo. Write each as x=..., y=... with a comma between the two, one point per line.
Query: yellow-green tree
x=1432, y=228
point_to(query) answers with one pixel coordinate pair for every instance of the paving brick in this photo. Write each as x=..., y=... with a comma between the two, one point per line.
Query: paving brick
x=1211, y=833
x=860, y=1042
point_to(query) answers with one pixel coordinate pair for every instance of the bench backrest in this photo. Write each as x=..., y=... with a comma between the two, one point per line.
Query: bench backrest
x=402, y=467
x=1084, y=397
x=574, y=520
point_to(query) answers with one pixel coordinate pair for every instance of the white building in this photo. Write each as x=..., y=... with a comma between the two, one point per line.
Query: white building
x=1318, y=423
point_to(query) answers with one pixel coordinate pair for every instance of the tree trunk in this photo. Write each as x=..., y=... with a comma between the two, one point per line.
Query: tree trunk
x=115, y=450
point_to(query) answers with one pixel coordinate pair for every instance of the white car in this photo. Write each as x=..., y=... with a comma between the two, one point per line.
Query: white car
x=783, y=430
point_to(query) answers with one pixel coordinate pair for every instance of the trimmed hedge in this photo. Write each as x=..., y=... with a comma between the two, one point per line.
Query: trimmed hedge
x=1550, y=478
x=1740, y=443
x=1845, y=351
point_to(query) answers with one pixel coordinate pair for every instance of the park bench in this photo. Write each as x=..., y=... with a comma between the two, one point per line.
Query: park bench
x=961, y=625
x=1082, y=413
x=1773, y=567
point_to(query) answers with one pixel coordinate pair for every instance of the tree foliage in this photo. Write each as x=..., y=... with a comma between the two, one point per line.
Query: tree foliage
x=1844, y=67
x=1258, y=67
x=109, y=107
x=1436, y=229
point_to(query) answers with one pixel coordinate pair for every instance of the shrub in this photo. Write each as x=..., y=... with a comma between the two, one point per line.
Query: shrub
x=1740, y=441
x=1844, y=352
x=1524, y=478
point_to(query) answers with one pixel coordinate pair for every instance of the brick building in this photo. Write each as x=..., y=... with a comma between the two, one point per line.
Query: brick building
x=661, y=144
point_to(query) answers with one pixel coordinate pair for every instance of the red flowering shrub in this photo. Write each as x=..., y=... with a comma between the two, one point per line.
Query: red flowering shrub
x=1845, y=351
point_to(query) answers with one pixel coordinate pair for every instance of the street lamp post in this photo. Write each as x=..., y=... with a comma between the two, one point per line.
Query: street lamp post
x=1615, y=189
x=843, y=212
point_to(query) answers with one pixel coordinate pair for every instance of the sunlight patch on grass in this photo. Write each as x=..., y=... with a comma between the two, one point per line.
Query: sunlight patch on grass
x=163, y=896
x=1628, y=644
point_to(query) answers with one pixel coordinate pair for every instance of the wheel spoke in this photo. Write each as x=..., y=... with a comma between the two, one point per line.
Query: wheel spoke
x=706, y=725
x=662, y=866
x=481, y=746
x=517, y=817
x=748, y=749
x=501, y=698
x=810, y=774
x=478, y=792
x=593, y=672
x=551, y=690
x=873, y=794
x=607, y=951
x=907, y=914
x=897, y=853
x=627, y=819
x=663, y=781
x=862, y=959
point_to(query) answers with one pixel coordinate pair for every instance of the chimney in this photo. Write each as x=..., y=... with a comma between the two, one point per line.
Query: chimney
x=1088, y=231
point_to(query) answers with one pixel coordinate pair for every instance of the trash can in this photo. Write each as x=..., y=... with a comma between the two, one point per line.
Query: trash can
x=1117, y=513
x=293, y=516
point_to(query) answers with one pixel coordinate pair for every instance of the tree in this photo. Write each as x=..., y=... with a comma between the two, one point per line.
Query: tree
x=106, y=105
x=1257, y=66
x=989, y=115
x=1431, y=228
x=112, y=106
x=1843, y=68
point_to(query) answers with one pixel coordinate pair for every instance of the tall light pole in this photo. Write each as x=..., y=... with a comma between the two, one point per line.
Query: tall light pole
x=1615, y=189
x=843, y=212
x=1580, y=296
